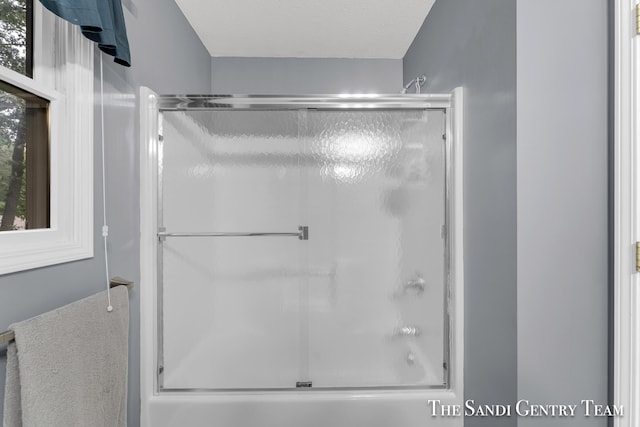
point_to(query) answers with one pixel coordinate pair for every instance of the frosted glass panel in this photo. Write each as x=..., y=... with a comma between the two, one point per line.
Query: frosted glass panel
x=359, y=304
x=224, y=170
x=230, y=304
x=230, y=323
x=376, y=211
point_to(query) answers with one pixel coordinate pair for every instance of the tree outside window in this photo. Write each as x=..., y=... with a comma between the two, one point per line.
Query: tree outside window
x=24, y=172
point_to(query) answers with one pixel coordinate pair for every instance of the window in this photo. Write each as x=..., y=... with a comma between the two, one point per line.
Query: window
x=24, y=132
x=16, y=35
x=46, y=138
x=24, y=159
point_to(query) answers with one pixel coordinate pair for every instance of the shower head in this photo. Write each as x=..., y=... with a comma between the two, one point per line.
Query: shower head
x=418, y=81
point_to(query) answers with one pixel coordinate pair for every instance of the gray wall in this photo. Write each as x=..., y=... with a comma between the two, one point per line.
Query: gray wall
x=544, y=340
x=472, y=44
x=305, y=76
x=562, y=204
x=168, y=57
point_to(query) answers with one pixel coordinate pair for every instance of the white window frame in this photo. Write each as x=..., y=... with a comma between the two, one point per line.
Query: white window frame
x=63, y=74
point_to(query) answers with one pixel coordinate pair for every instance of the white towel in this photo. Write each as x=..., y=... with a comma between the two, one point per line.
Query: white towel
x=68, y=367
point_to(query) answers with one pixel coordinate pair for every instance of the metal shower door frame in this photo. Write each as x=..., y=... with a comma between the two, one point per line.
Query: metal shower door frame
x=364, y=103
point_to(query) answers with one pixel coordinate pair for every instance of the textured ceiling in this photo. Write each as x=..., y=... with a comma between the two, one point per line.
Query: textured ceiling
x=306, y=28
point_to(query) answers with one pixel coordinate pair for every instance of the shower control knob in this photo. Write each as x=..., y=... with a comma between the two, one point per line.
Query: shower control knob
x=407, y=331
x=416, y=284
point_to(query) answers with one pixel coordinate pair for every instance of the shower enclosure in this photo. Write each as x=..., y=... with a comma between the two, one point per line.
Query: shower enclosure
x=299, y=251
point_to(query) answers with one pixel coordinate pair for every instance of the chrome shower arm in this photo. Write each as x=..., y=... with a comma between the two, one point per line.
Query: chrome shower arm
x=418, y=81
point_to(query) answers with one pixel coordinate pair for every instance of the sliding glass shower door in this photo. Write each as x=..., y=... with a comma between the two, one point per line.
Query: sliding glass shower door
x=375, y=206
x=302, y=248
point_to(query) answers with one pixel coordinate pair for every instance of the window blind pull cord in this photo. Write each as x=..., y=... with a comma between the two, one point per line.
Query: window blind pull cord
x=105, y=227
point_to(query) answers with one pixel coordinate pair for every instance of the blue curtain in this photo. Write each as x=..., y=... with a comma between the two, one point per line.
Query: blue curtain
x=101, y=21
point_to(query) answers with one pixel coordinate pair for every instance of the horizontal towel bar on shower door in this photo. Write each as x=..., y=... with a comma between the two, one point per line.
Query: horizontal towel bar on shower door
x=302, y=234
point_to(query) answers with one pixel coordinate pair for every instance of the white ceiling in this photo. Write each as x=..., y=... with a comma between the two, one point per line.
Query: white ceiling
x=306, y=28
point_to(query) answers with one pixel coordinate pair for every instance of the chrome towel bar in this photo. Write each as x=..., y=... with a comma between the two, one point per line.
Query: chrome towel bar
x=302, y=234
